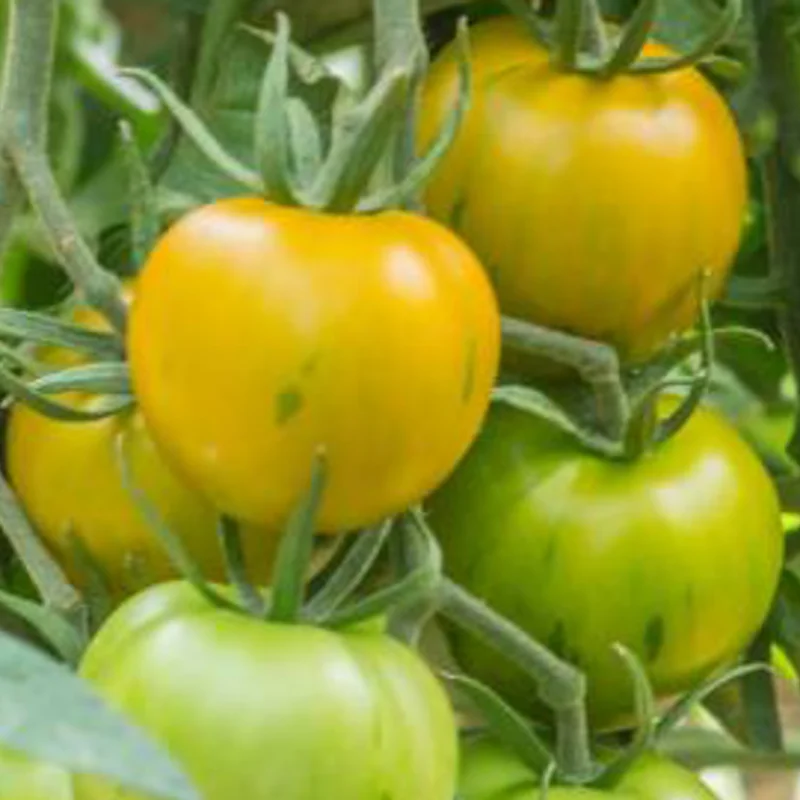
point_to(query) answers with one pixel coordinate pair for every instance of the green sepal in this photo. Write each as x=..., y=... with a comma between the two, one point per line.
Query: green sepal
x=273, y=143
x=679, y=711
x=294, y=553
x=350, y=573
x=524, y=11
x=360, y=136
x=63, y=637
x=199, y=134
x=717, y=36
x=539, y=405
x=31, y=326
x=422, y=170
x=145, y=220
x=38, y=401
x=417, y=587
x=505, y=724
x=230, y=537
x=634, y=37
x=569, y=24
x=307, y=141
x=174, y=547
x=107, y=378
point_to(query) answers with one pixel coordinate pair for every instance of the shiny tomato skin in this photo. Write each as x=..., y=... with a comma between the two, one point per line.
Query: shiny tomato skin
x=675, y=555
x=260, y=334
x=260, y=711
x=67, y=476
x=491, y=772
x=572, y=189
x=24, y=779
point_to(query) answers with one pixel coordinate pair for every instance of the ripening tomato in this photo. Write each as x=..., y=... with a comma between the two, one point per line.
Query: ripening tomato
x=260, y=334
x=595, y=205
x=675, y=555
x=67, y=476
x=257, y=710
x=491, y=772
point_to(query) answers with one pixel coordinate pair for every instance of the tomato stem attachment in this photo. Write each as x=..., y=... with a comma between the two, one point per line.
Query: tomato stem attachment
x=560, y=685
x=597, y=363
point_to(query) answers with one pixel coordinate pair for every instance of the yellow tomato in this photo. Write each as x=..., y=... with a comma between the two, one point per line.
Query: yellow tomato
x=595, y=205
x=260, y=334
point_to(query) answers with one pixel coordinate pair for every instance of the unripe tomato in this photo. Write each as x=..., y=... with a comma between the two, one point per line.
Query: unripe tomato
x=491, y=772
x=260, y=334
x=675, y=555
x=595, y=205
x=67, y=476
x=263, y=711
x=24, y=779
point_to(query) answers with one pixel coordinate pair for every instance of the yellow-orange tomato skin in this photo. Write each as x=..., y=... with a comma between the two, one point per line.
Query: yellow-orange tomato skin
x=594, y=204
x=261, y=334
x=68, y=478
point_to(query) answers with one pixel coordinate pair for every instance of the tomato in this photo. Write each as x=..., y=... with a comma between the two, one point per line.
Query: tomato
x=675, y=555
x=490, y=772
x=24, y=779
x=571, y=188
x=261, y=711
x=67, y=476
x=260, y=334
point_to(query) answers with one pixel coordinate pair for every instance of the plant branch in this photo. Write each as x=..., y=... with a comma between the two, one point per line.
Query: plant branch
x=25, y=94
x=100, y=289
x=560, y=685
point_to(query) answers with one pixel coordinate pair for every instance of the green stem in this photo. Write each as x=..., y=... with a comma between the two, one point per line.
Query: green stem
x=220, y=17
x=760, y=699
x=47, y=576
x=560, y=685
x=782, y=189
x=101, y=289
x=25, y=93
x=597, y=363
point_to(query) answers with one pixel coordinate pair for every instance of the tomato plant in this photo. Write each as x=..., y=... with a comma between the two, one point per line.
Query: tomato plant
x=491, y=772
x=260, y=333
x=259, y=710
x=675, y=555
x=549, y=182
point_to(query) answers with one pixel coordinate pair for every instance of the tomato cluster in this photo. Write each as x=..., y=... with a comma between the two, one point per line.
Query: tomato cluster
x=266, y=338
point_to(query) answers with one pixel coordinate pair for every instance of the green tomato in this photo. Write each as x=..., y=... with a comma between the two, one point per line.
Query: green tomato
x=491, y=772
x=261, y=711
x=24, y=779
x=675, y=555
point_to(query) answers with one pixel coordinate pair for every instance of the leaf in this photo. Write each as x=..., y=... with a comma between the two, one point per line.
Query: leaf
x=51, y=715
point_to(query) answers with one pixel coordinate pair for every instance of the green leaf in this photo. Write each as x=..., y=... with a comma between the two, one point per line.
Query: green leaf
x=199, y=133
x=294, y=553
x=505, y=724
x=51, y=715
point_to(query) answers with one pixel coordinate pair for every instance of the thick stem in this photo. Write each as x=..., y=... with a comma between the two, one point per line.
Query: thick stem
x=101, y=289
x=560, y=685
x=782, y=189
x=25, y=93
x=597, y=363
x=400, y=42
x=47, y=576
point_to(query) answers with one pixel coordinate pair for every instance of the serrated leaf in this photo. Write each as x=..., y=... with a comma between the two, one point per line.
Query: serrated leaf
x=53, y=716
